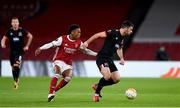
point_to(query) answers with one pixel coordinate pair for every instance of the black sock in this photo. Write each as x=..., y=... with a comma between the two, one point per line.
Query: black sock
x=102, y=83
x=14, y=75
x=109, y=82
x=17, y=71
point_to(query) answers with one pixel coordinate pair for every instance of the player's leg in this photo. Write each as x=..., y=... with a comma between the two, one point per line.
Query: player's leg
x=53, y=82
x=12, y=61
x=16, y=71
x=16, y=81
x=67, y=75
x=103, y=66
x=16, y=63
x=105, y=71
x=13, y=73
x=106, y=68
x=115, y=76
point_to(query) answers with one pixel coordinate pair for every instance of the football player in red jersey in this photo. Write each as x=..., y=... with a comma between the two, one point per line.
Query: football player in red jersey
x=67, y=47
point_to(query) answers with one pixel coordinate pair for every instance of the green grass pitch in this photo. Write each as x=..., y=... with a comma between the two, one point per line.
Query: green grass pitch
x=152, y=92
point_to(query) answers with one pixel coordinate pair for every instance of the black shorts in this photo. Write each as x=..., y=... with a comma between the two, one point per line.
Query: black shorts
x=106, y=62
x=15, y=57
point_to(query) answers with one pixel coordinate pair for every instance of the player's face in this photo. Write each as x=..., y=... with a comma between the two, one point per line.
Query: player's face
x=15, y=23
x=129, y=31
x=76, y=33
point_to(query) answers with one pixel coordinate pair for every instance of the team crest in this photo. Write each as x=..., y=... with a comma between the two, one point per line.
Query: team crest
x=76, y=45
x=11, y=33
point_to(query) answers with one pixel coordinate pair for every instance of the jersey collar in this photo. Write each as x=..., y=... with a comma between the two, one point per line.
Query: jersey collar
x=70, y=39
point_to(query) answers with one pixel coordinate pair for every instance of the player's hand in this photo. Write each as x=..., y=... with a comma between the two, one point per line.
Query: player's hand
x=26, y=48
x=122, y=62
x=37, y=52
x=3, y=46
x=85, y=44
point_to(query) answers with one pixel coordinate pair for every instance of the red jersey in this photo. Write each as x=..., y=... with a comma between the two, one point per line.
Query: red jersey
x=66, y=48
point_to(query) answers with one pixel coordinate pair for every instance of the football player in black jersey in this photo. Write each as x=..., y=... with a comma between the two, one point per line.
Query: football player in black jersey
x=113, y=43
x=16, y=36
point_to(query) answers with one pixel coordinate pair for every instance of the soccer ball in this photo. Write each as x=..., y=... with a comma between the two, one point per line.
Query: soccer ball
x=131, y=93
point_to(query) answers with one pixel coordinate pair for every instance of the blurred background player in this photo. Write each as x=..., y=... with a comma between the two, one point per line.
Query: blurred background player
x=113, y=44
x=161, y=54
x=67, y=46
x=16, y=36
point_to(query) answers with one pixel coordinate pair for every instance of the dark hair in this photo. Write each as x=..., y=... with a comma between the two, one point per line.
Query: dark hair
x=15, y=18
x=73, y=27
x=126, y=24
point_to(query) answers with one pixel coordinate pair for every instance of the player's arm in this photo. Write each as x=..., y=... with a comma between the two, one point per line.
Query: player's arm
x=29, y=41
x=94, y=37
x=3, y=41
x=120, y=54
x=54, y=43
x=86, y=50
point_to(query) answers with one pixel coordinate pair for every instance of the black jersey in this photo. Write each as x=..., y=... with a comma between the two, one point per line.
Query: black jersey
x=113, y=41
x=16, y=38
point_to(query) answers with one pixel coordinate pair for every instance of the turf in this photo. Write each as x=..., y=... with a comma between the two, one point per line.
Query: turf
x=152, y=92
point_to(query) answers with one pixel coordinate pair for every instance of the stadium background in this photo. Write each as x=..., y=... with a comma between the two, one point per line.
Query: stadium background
x=157, y=23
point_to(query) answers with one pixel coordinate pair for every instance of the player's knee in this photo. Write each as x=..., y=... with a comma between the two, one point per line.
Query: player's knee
x=107, y=77
x=116, y=80
x=106, y=73
x=67, y=79
x=16, y=65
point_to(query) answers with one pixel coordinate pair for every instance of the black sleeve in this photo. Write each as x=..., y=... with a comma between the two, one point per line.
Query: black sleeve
x=7, y=34
x=110, y=32
x=25, y=32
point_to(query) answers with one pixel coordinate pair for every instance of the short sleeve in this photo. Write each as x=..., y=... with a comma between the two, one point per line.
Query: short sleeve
x=7, y=34
x=110, y=33
x=25, y=31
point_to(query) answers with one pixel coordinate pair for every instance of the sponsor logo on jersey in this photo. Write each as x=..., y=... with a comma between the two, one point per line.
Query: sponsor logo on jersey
x=15, y=39
x=69, y=50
